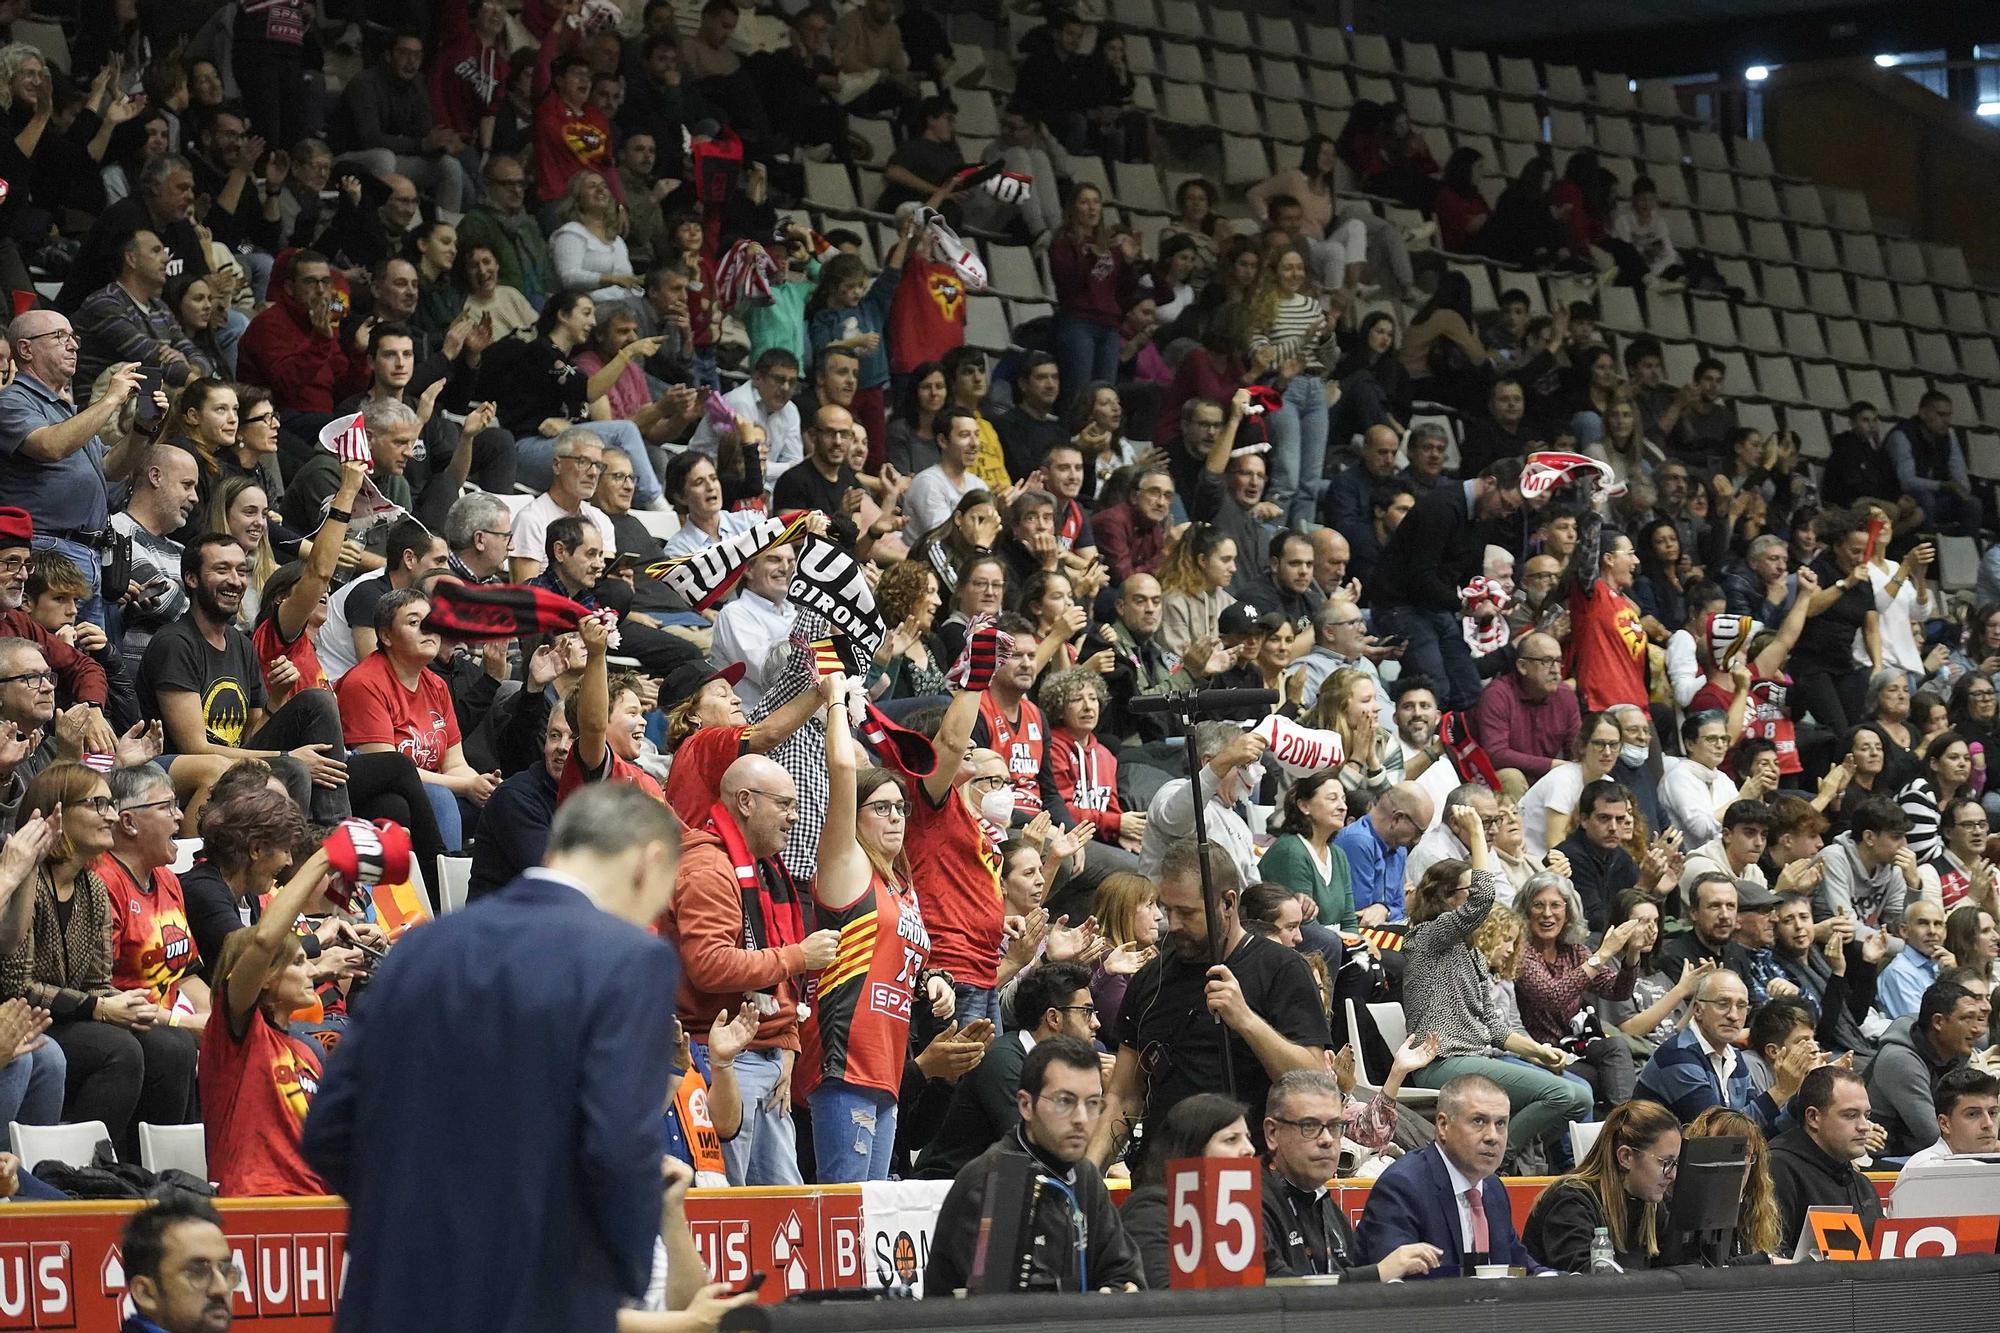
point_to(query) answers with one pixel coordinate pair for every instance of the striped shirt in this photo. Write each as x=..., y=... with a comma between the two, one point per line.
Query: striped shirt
x=1297, y=329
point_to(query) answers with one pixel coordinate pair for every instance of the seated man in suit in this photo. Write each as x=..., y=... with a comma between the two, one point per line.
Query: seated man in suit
x=1701, y=1067
x=1447, y=1195
x=1305, y=1230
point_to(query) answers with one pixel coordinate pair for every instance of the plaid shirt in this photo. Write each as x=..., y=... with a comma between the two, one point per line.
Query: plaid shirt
x=803, y=753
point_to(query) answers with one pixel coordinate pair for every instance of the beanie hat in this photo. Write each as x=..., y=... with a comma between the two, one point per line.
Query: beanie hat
x=17, y=527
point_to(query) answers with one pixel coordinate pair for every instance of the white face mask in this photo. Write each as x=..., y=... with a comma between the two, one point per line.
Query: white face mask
x=998, y=806
x=1635, y=755
x=1235, y=787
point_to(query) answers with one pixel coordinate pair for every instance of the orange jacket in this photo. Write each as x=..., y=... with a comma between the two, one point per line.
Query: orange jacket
x=705, y=923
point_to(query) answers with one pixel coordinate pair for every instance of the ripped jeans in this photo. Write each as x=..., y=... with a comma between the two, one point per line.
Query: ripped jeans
x=854, y=1132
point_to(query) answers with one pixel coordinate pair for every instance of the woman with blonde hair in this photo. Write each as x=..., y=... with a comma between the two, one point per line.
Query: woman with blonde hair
x=1620, y=1186
x=1623, y=445
x=1195, y=575
x=1127, y=910
x=589, y=247
x=1349, y=705
x=1756, y=1238
x=242, y=508
x=850, y=1066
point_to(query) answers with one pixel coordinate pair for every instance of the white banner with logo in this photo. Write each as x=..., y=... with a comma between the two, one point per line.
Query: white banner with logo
x=897, y=1218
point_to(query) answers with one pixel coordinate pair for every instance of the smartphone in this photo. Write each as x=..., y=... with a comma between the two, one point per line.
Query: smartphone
x=754, y=1283
x=146, y=411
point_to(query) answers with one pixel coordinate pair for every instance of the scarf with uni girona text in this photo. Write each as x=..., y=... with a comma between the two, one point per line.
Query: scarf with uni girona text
x=771, y=915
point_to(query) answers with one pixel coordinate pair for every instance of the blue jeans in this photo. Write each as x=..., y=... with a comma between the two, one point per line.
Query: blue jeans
x=1437, y=650
x=1298, y=451
x=854, y=1132
x=976, y=1002
x=444, y=805
x=92, y=607
x=31, y=1086
x=1085, y=353
x=766, y=1150
x=537, y=454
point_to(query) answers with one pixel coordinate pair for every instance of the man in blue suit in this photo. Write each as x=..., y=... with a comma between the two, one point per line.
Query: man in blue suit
x=493, y=1115
x=1447, y=1195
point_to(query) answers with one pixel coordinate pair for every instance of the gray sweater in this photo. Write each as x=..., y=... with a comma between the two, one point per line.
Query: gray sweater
x=1900, y=1080
x=1873, y=898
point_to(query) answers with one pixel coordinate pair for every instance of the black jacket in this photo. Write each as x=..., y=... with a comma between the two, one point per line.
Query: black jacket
x=1434, y=551
x=1302, y=1238
x=1111, y=1257
x=1805, y=1177
x=1842, y=1001
x=1564, y=1222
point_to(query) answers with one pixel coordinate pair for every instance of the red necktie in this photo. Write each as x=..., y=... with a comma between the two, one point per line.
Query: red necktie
x=1481, y=1244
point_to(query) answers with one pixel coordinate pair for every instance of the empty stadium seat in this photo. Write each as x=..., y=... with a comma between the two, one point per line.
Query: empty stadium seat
x=176, y=1147
x=72, y=1145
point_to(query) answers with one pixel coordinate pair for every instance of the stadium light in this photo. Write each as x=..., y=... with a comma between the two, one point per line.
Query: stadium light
x=1989, y=108
x=1887, y=61
x=1756, y=74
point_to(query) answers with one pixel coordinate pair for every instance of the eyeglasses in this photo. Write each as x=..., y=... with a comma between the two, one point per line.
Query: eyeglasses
x=34, y=677
x=1090, y=1009
x=587, y=464
x=67, y=335
x=1981, y=695
x=489, y=532
x=1720, y=738
x=13, y=564
x=1601, y=744
x=782, y=802
x=1343, y=624
x=261, y=419
x=1728, y=1006
x=202, y=1273
x=1310, y=1128
x=1067, y=1104
x=507, y=182
x=888, y=809
x=1162, y=492
x=1541, y=661
x=169, y=804
x=1970, y=825
x=103, y=805
x=1668, y=1165
x=994, y=783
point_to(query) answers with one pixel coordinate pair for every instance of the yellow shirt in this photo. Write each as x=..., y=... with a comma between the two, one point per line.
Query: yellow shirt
x=991, y=464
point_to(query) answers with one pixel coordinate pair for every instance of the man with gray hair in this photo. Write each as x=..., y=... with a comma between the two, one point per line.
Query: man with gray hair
x=476, y=531
x=392, y=427
x=1441, y=844
x=1426, y=446
x=160, y=202
x=1305, y=1231
x=1272, y=1019
x=151, y=939
x=1231, y=766
x=1342, y=640
x=576, y=466
x=1761, y=585
x=53, y=458
x=1029, y=545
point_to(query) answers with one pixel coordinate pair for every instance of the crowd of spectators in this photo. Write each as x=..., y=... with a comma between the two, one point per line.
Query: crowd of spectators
x=1638, y=760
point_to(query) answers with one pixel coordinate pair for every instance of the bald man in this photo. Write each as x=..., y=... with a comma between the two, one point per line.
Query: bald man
x=53, y=459
x=736, y=944
x=1378, y=851
x=827, y=481
x=1527, y=718
x=1331, y=552
x=1347, y=503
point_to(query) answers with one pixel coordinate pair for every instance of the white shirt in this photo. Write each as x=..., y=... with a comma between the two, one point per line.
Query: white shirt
x=1557, y=790
x=335, y=642
x=1938, y=1152
x=1461, y=1185
x=751, y=630
x=1690, y=795
x=784, y=444
x=1898, y=616
x=1723, y=1061
x=1440, y=844
x=931, y=498
x=580, y=258
x=530, y=533
x=1683, y=669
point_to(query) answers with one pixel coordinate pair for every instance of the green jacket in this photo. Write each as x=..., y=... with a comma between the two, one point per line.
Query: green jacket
x=1290, y=862
x=517, y=242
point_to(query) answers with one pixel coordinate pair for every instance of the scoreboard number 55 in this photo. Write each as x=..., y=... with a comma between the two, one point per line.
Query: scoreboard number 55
x=1215, y=1222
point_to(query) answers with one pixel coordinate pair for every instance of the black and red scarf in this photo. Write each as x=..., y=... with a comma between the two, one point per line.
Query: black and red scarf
x=771, y=913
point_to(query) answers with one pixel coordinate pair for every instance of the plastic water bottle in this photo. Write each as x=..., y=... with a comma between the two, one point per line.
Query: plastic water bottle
x=1602, y=1258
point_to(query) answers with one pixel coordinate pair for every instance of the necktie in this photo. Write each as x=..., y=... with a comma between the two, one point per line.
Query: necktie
x=1481, y=1243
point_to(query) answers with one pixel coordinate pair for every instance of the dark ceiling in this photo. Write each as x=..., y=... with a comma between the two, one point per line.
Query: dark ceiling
x=1484, y=22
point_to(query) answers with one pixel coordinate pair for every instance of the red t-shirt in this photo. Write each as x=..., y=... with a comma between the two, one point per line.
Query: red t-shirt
x=268, y=642
x=1020, y=743
x=613, y=769
x=695, y=780
x=957, y=879
x=255, y=1093
x=1767, y=718
x=926, y=316
x=1607, y=649
x=566, y=142
x=152, y=948
x=858, y=1030
x=375, y=709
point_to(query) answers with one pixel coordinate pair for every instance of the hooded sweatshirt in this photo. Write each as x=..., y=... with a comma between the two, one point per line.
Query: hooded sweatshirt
x=1803, y=1176
x=1900, y=1080
x=467, y=82
x=1874, y=898
x=706, y=923
x=306, y=370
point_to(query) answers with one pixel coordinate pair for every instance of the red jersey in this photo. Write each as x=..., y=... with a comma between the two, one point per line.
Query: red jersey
x=1768, y=716
x=1086, y=773
x=859, y=1028
x=1020, y=743
x=702, y=314
x=468, y=79
x=613, y=769
x=957, y=878
x=255, y=1092
x=1607, y=649
x=695, y=781
x=926, y=316
x=376, y=709
x=568, y=141
x=152, y=948
x=268, y=642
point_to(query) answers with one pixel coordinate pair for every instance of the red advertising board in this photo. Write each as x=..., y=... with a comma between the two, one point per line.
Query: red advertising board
x=60, y=1267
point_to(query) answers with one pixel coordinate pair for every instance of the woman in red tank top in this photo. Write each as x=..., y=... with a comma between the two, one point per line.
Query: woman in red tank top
x=850, y=1067
x=257, y=1080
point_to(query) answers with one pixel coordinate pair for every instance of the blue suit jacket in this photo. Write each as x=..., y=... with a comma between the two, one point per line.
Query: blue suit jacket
x=493, y=1118
x=1412, y=1201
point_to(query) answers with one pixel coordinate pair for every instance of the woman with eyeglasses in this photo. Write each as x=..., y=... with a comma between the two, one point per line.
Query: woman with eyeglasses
x=1560, y=977
x=854, y=1043
x=1756, y=1237
x=1207, y=1124
x=1621, y=1185
x=1975, y=715
x=255, y=453
x=1548, y=811
x=128, y=1060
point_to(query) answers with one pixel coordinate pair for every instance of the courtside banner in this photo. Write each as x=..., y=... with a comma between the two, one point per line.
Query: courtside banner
x=829, y=581
x=705, y=578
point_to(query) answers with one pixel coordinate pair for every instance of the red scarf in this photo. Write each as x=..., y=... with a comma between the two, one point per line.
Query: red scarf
x=769, y=922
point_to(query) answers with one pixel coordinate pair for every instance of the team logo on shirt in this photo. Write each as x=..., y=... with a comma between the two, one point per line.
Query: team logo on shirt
x=947, y=292
x=584, y=139
x=295, y=1081
x=225, y=711
x=1626, y=622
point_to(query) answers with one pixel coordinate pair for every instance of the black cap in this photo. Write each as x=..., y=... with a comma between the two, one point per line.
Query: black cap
x=685, y=681
x=1238, y=619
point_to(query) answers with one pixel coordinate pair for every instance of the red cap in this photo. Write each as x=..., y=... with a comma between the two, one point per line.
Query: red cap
x=17, y=527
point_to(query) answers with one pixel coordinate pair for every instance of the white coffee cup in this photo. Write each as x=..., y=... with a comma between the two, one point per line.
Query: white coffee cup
x=1490, y=1270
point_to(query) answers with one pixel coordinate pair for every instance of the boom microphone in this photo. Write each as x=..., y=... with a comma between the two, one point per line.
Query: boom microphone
x=1202, y=701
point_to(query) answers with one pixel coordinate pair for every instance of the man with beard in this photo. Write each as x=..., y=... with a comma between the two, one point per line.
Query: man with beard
x=202, y=681
x=174, y=1253
x=1272, y=1020
x=515, y=831
x=1416, y=722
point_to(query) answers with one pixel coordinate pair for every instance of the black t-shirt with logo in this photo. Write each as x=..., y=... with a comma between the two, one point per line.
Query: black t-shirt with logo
x=226, y=681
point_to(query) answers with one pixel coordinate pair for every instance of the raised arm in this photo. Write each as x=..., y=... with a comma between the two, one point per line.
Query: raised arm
x=246, y=979
x=843, y=867
x=953, y=735
x=296, y=611
x=593, y=697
